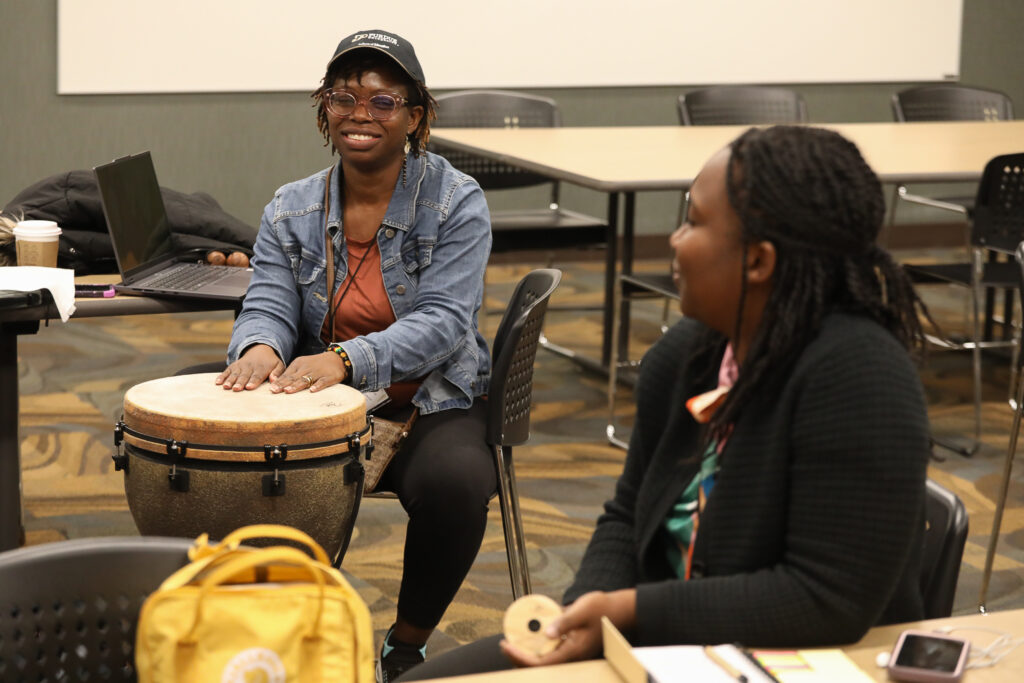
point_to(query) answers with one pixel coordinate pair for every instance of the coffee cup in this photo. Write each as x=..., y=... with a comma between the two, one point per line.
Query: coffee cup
x=36, y=243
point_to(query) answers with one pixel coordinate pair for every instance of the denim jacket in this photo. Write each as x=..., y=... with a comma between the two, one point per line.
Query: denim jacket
x=434, y=243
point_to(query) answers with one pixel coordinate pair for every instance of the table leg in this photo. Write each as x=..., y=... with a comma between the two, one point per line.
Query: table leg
x=610, y=269
x=628, y=229
x=610, y=277
x=12, y=534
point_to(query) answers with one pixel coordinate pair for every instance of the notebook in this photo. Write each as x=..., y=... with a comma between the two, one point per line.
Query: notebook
x=143, y=243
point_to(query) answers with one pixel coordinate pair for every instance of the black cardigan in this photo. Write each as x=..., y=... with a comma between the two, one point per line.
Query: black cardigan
x=813, y=532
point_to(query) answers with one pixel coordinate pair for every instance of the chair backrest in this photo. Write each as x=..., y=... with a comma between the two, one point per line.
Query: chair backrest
x=69, y=609
x=998, y=220
x=949, y=102
x=739, y=105
x=513, y=352
x=945, y=536
x=493, y=109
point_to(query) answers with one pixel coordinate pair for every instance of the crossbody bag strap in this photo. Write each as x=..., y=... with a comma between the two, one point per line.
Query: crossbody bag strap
x=330, y=253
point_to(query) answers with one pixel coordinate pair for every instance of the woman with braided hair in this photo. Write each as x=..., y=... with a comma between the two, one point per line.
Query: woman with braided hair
x=773, y=492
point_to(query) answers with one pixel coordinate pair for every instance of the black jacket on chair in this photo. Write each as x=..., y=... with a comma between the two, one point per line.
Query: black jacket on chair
x=72, y=199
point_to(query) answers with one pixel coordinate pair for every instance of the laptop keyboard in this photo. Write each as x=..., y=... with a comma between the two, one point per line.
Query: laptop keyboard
x=187, y=277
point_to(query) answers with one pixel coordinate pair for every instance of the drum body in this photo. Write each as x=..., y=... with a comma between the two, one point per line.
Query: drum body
x=199, y=459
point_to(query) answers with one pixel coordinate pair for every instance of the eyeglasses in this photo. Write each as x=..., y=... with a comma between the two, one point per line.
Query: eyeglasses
x=380, y=107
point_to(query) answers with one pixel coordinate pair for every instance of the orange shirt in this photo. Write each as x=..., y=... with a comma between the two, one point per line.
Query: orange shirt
x=365, y=307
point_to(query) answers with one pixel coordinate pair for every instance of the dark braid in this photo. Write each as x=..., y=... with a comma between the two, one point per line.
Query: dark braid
x=810, y=193
x=357, y=63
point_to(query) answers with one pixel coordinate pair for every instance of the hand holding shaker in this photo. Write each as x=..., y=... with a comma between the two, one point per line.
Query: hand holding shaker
x=36, y=243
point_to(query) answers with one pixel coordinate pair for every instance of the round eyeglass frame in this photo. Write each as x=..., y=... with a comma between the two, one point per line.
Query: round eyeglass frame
x=365, y=101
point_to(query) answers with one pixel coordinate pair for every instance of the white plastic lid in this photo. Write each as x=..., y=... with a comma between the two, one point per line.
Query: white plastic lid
x=37, y=229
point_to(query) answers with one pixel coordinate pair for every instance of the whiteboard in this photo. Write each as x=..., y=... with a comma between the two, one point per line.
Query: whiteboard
x=145, y=46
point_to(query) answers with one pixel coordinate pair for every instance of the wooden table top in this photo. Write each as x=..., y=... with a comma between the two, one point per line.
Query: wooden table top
x=863, y=653
x=118, y=305
x=640, y=158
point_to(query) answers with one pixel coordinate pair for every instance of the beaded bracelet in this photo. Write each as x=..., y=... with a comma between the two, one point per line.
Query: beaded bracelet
x=336, y=348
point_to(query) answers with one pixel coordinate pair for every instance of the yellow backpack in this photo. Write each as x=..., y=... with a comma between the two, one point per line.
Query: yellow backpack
x=272, y=615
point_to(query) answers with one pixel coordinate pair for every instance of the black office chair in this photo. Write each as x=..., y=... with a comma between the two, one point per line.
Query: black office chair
x=946, y=102
x=548, y=229
x=950, y=102
x=944, y=540
x=508, y=406
x=996, y=225
x=719, y=105
x=509, y=399
x=741, y=105
x=69, y=609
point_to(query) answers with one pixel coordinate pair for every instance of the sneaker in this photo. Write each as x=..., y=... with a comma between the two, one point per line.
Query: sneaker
x=396, y=658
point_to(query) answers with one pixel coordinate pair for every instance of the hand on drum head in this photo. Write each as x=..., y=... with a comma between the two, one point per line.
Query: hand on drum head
x=310, y=372
x=256, y=365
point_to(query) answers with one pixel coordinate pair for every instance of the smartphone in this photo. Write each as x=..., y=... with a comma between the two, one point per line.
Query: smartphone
x=928, y=657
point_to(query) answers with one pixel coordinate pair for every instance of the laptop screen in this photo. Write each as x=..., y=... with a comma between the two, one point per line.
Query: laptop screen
x=136, y=217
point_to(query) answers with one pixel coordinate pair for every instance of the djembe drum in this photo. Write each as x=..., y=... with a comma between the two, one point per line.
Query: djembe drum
x=199, y=459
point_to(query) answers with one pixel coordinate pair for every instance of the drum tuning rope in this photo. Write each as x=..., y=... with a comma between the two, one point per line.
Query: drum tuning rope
x=271, y=452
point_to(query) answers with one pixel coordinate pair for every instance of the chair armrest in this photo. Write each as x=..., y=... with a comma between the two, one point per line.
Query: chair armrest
x=928, y=201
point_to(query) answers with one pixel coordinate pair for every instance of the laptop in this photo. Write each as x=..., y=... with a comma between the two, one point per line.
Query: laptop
x=144, y=245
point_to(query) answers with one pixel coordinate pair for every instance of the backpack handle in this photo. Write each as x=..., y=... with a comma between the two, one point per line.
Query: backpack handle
x=267, y=556
x=202, y=548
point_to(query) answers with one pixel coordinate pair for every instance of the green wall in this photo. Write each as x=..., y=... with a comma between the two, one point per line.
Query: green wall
x=241, y=147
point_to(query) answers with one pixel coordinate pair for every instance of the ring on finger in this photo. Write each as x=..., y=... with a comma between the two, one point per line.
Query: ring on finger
x=309, y=380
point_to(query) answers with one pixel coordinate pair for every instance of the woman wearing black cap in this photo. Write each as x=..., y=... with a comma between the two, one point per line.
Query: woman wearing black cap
x=410, y=237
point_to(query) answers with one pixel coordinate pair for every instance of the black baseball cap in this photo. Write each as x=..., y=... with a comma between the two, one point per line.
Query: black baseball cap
x=393, y=45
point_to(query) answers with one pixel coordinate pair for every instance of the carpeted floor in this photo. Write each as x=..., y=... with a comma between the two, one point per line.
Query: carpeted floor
x=73, y=378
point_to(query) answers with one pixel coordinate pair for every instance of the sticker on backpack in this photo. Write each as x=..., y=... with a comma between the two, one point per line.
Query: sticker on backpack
x=255, y=659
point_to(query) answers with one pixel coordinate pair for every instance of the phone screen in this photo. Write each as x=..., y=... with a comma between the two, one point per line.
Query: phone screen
x=934, y=654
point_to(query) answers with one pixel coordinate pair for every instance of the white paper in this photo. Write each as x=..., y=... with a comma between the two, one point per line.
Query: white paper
x=689, y=663
x=60, y=282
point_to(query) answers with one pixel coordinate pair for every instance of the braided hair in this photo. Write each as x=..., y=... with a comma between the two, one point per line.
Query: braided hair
x=353, y=66
x=810, y=193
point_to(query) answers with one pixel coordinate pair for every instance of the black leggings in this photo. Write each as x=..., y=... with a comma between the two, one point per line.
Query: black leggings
x=444, y=476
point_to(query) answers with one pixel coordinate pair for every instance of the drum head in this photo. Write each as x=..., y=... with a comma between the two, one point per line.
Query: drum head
x=192, y=408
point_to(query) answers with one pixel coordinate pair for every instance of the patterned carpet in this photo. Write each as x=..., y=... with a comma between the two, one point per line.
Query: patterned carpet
x=73, y=378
